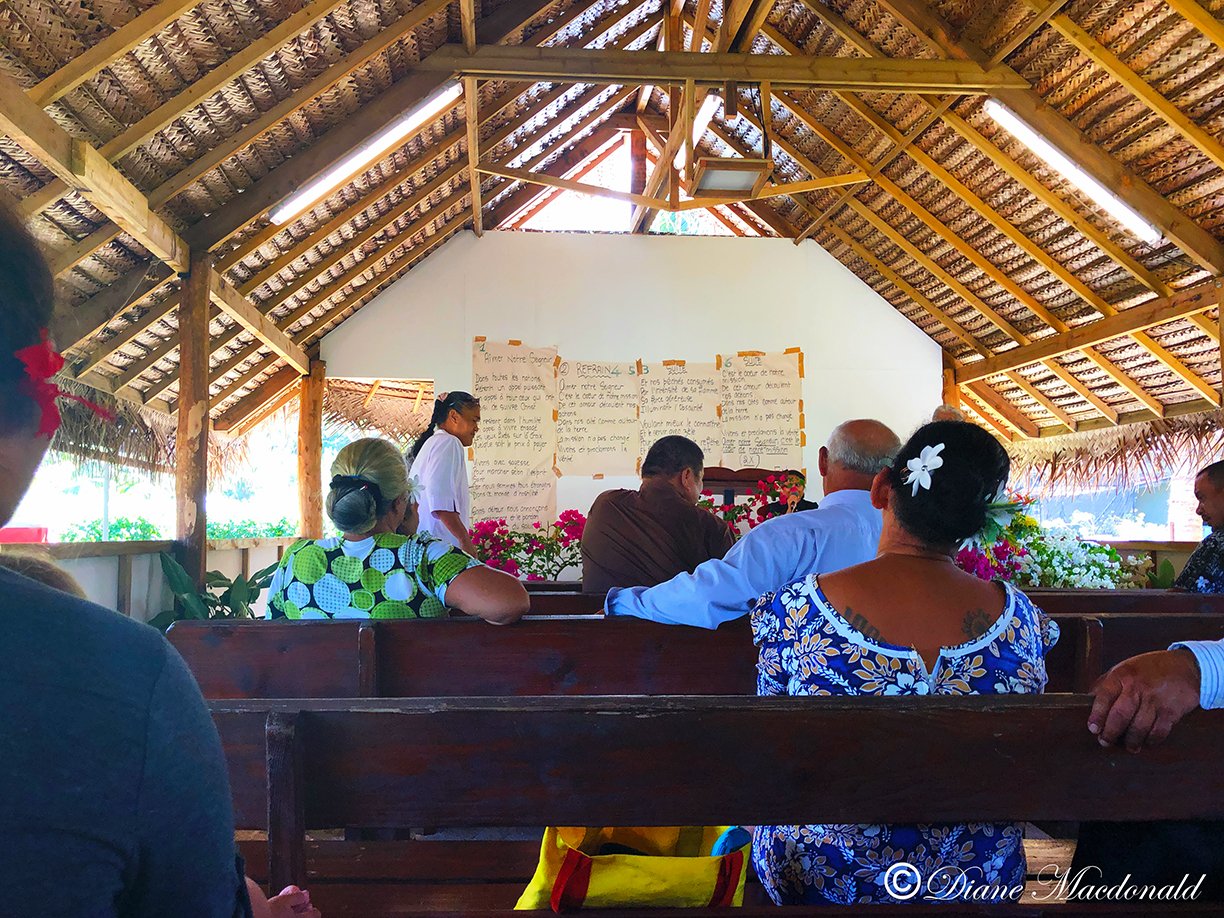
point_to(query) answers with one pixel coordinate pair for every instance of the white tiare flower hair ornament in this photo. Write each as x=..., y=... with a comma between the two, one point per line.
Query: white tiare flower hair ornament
x=919, y=468
x=415, y=490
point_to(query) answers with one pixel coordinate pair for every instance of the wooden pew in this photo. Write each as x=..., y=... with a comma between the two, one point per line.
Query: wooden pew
x=1053, y=602
x=565, y=656
x=302, y=765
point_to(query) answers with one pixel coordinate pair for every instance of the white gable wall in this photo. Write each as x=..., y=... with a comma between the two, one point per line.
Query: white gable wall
x=612, y=297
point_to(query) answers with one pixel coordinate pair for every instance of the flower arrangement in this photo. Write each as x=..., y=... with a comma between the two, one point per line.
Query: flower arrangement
x=542, y=553
x=1013, y=546
x=768, y=499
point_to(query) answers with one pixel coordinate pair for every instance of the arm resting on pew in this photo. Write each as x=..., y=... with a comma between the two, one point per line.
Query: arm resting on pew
x=1141, y=699
x=454, y=525
x=492, y=595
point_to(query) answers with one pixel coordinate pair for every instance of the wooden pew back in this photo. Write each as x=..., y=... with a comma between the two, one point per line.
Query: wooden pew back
x=565, y=656
x=677, y=761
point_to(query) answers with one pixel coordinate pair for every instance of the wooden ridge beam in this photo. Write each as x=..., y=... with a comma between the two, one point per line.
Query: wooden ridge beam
x=1028, y=105
x=580, y=65
x=375, y=114
x=1157, y=311
x=102, y=54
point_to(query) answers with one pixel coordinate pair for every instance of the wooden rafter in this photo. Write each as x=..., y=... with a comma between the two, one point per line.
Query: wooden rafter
x=102, y=54
x=1202, y=19
x=1158, y=311
x=1011, y=415
x=75, y=326
x=585, y=155
x=401, y=96
x=578, y=65
x=199, y=90
x=471, y=99
x=1135, y=84
x=1196, y=242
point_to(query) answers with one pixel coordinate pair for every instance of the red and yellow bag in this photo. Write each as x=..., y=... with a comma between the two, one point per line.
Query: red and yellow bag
x=674, y=870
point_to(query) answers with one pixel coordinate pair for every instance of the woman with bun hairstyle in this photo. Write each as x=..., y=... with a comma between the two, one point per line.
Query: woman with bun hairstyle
x=909, y=622
x=439, y=464
x=372, y=570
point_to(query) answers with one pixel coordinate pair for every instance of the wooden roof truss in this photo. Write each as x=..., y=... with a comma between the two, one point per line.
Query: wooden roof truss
x=157, y=133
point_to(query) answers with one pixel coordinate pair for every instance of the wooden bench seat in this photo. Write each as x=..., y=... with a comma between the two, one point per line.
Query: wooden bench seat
x=565, y=656
x=298, y=765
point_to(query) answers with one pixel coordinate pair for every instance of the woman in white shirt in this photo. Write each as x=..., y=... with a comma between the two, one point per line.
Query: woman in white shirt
x=439, y=464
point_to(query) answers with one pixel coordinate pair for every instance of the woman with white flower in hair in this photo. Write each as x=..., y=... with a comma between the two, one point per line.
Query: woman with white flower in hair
x=909, y=622
x=380, y=566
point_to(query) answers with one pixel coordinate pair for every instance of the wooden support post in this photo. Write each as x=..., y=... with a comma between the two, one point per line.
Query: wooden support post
x=286, y=801
x=191, y=442
x=123, y=603
x=472, y=106
x=637, y=159
x=310, y=451
x=951, y=391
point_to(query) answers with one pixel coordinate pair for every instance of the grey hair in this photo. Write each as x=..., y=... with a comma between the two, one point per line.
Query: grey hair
x=863, y=446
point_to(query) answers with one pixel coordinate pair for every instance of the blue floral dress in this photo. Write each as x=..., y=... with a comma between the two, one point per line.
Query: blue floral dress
x=808, y=648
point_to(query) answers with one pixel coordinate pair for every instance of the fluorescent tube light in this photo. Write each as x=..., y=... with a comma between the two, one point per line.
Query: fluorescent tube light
x=701, y=123
x=365, y=153
x=1057, y=160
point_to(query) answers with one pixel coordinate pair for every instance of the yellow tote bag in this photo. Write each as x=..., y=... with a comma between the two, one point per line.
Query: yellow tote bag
x=674, y=870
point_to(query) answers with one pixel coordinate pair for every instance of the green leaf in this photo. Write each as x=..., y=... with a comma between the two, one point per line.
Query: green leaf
x=194, y=606
x=176, y=577
x=216, y=579
x=239, y=594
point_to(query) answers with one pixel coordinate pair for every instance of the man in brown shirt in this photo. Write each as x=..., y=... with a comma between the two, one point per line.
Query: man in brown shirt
x=647, y=536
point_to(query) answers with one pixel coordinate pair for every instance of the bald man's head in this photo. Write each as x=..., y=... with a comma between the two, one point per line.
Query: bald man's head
x=856, y=452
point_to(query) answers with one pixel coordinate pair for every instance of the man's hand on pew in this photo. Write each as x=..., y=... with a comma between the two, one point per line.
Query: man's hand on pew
x=1141, y=699
x=290, y=902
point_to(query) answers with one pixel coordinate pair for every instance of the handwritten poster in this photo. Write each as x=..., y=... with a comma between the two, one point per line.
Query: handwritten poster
x=597, y=418
x=512, y=469
x=682, y=398
x=761, y=410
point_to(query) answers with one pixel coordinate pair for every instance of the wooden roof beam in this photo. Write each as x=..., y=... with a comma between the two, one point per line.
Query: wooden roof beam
x=332, y=76
x=580, y=65
x=252, y=409
x=928, y=264
x=1005, y=164
x=509, y=210
x=1157, y=311
x=969, y=400
x=199, y=90
x=1202, y=19
x=102, y=54
x=472, y=107
x=245, y=208
x=1136, y=85
x=1196, y=242
x=73, y=327
x=1010, y=414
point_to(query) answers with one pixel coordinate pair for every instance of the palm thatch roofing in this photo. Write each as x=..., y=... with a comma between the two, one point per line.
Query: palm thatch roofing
x=1054, y=319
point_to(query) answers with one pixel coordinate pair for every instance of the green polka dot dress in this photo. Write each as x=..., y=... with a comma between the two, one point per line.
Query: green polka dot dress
x=385, y=576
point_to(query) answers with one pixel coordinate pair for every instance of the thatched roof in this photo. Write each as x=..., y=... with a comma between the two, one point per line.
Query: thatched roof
x=217, y=110
x=398, y=409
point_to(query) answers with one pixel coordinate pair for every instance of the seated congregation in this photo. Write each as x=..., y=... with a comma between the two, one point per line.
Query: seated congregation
x=115, y=794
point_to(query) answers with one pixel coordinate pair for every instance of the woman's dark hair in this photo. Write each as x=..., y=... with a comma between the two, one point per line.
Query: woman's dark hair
x=456, y=401
x=975, y=466
x=26, y=302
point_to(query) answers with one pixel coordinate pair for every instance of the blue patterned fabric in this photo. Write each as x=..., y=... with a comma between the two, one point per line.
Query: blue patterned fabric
x=808, y=648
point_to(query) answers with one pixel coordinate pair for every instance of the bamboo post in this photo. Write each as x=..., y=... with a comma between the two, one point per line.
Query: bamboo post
x=310, y=451
x=191, y=442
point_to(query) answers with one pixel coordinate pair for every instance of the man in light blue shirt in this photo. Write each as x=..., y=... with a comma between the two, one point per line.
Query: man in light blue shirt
x=844, y=530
